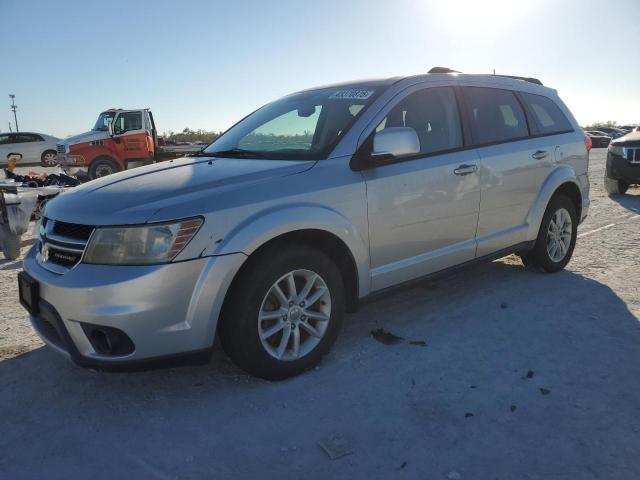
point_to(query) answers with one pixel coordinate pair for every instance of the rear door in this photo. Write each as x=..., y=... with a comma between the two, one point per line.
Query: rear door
x=33, y=145
x=423, y=210
x=513, y=165
x=548, y=121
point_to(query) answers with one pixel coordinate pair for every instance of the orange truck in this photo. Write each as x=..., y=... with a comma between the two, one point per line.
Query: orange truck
x=120, y=140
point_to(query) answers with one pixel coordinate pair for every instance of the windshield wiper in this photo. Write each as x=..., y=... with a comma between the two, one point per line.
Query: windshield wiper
x=236, y=153
x=201, y=153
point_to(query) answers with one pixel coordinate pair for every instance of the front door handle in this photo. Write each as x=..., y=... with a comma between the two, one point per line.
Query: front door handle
x=540, y=154
x=465, y=169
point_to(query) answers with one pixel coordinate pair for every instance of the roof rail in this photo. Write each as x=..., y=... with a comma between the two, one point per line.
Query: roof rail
x=442, y=70
x=526, y=79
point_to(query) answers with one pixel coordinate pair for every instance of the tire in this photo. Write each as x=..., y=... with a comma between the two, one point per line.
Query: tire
x=101, y=167
x=49, y=158
x=254, y=322
x=543, y=256
x=9, y=243
x=615, y=187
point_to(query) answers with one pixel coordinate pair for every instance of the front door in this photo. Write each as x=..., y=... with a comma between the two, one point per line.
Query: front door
x=423, y=210
x=130, y=137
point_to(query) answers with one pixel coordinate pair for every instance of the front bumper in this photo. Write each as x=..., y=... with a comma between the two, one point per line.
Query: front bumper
x=619, y=168
x=165, y=310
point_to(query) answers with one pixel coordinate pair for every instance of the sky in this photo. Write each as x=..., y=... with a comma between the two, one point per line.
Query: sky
x=206, y=64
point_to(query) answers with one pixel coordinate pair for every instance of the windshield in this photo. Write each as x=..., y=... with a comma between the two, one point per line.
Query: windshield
x=302, y=126
x=103, y=121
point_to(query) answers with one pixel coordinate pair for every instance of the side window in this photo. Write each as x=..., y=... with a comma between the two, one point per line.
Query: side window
x=433, y=114
x=5, y=139
x=496, y=115
x=25, y=138
x=547, y=115
x=128, y=121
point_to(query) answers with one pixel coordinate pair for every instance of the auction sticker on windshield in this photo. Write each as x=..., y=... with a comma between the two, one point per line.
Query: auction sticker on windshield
x=351, y=94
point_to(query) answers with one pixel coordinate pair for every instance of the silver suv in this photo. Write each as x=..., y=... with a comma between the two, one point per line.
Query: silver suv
x=300, y=210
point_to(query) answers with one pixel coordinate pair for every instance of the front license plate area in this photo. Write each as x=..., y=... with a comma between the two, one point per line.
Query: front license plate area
x=29, y=292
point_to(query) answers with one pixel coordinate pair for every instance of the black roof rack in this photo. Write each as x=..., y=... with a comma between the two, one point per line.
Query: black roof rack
x=526, y=79
x=449, y=70
x=442, y=70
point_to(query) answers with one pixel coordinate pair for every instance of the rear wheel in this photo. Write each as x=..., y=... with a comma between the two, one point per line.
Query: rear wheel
x=49, y=158
x=284, y=312
x=101, y=167
x=615, y=187
x=556, y=237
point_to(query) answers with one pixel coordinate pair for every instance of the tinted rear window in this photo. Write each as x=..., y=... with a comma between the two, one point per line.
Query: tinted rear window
x=547, y=115
x=496, y=115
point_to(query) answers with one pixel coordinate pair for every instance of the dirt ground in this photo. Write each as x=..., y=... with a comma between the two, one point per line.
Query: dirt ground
x=522, y=376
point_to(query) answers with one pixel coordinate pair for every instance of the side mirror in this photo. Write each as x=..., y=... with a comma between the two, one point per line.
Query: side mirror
x=395, y=142
x=110, y=129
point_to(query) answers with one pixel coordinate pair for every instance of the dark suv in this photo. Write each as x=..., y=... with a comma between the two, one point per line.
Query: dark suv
x=623, y=164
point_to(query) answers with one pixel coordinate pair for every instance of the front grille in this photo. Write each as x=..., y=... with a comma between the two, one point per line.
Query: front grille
x=632, y=154
x=60, y=148
x=73, y=230
x=62, y=244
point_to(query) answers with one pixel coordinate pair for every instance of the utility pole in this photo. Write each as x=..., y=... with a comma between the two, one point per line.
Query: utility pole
x=14, y=108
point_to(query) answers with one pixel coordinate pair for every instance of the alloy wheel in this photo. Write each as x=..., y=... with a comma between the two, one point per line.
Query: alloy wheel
x=559, y=235
x=50, y=159
x=294, y=315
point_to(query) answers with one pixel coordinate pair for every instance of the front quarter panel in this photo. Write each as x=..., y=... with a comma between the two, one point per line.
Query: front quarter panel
x=328, y=197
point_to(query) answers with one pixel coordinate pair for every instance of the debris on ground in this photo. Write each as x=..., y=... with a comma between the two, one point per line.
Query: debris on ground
x=404, y=464
x=545, y=391
x=504, y=305
x=453, y=475
x=513, y=408
x=529, y=375
x=335, y=446
x=384, y=337
x=468, y=414
x=420, y=343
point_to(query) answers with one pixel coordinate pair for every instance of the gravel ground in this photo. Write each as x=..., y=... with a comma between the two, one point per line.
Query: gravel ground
x=522, y=376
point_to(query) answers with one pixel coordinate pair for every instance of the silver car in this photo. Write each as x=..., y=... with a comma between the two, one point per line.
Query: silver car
x=34, y=147
x=301, y=210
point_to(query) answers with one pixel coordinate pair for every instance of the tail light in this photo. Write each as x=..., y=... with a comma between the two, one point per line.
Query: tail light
x=588, y=142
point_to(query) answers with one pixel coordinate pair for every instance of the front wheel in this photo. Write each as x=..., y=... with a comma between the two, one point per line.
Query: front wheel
x=101, y=167
x=615, y=187
x=284, y=312
x=556, y=237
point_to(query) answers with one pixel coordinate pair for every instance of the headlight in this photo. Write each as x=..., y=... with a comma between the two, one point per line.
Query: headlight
x=617, y=150
x=140, y=245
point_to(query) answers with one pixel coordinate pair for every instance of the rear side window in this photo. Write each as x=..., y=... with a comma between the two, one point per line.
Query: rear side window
x=496, y=115
x=27, y=137
x=433, y=114
x=546, y=114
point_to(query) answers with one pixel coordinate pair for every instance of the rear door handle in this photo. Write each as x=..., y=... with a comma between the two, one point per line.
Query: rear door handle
x=465, y=169
x=540, y=154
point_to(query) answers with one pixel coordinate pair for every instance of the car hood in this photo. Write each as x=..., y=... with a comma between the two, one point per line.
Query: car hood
x=85, y=137
x=164, y=191
x=630, y=139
